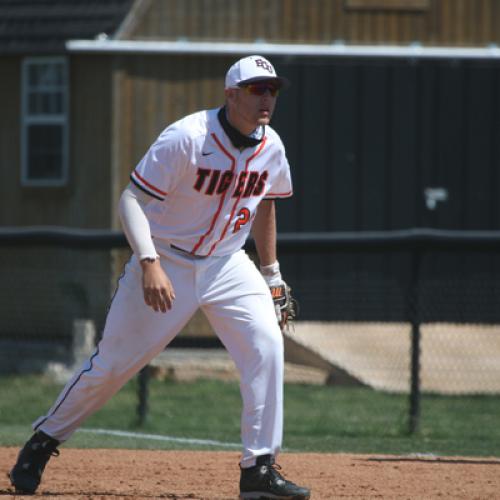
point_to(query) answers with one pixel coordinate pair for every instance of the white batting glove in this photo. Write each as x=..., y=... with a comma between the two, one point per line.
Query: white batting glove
x=271, y=274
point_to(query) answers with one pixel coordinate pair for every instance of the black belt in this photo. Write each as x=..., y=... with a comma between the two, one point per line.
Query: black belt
x=193, y=255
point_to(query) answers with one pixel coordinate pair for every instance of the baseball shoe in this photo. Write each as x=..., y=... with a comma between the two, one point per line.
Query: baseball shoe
x=26, y=475
x=263, y=481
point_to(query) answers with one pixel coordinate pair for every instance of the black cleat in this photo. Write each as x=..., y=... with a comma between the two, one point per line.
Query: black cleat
x=263, y=481
x=26, y=475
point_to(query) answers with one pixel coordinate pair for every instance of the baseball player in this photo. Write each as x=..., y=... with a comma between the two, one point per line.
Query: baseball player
x=207, y=180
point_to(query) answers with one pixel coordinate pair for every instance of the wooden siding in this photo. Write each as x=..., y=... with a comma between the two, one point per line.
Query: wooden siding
x=81, y=202
x=430, y=22
x=46, y=288
x=91, y=120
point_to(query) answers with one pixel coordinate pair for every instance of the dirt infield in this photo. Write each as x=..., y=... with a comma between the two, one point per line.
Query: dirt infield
x=124, y=474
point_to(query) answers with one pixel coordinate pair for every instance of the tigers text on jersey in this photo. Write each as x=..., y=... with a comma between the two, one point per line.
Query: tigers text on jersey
x=207, y=191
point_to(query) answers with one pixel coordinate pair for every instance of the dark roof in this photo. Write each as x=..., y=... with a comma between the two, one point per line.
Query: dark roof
x=43, y=26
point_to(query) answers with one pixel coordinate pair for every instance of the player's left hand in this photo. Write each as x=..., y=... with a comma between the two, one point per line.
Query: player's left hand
x=285, y=305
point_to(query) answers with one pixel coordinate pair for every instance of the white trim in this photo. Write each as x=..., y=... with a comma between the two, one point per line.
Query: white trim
x=48, y=119
x=332, y=50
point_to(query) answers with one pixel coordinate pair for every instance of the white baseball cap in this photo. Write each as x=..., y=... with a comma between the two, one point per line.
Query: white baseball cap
x=252, y=69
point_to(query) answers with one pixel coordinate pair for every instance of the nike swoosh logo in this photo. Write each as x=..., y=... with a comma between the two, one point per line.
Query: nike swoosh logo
x=209, y=153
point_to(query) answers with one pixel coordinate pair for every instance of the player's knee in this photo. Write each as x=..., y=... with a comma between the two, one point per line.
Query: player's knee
x=271, y=344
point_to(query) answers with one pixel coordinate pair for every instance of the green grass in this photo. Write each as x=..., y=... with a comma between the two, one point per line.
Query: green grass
x=317, y=418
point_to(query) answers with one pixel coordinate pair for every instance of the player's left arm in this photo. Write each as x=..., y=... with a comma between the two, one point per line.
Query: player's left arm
x=264, y=232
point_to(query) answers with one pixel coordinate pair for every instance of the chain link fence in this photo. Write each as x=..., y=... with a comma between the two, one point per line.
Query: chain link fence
x=403, y=312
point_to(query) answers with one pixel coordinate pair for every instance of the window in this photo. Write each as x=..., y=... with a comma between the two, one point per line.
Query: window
x=44, y=153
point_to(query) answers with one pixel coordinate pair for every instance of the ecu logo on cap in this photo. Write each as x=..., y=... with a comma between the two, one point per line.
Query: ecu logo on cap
x=262, y=63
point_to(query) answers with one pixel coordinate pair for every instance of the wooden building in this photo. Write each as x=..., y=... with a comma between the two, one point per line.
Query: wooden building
x=389, y=98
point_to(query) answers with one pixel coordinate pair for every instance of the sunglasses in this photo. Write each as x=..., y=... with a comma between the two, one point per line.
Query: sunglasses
x=261, y=88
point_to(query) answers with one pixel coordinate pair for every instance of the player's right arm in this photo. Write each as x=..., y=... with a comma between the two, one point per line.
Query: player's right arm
x=157, y=287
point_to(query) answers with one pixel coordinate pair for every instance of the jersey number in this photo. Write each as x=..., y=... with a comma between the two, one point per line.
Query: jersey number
x=243, y=218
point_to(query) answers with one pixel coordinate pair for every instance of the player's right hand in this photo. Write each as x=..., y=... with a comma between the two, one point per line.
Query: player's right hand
x=158, y=290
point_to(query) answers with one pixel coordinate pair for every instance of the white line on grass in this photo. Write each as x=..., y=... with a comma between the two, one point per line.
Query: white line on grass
x=157, y=437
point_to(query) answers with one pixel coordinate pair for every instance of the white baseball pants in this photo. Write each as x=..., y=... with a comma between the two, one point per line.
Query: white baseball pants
x=238, y=305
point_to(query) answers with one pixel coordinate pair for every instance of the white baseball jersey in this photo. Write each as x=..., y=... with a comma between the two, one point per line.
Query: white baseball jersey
x=207, y=191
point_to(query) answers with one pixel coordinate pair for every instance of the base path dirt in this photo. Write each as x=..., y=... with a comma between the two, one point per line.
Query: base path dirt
x=126, y=474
